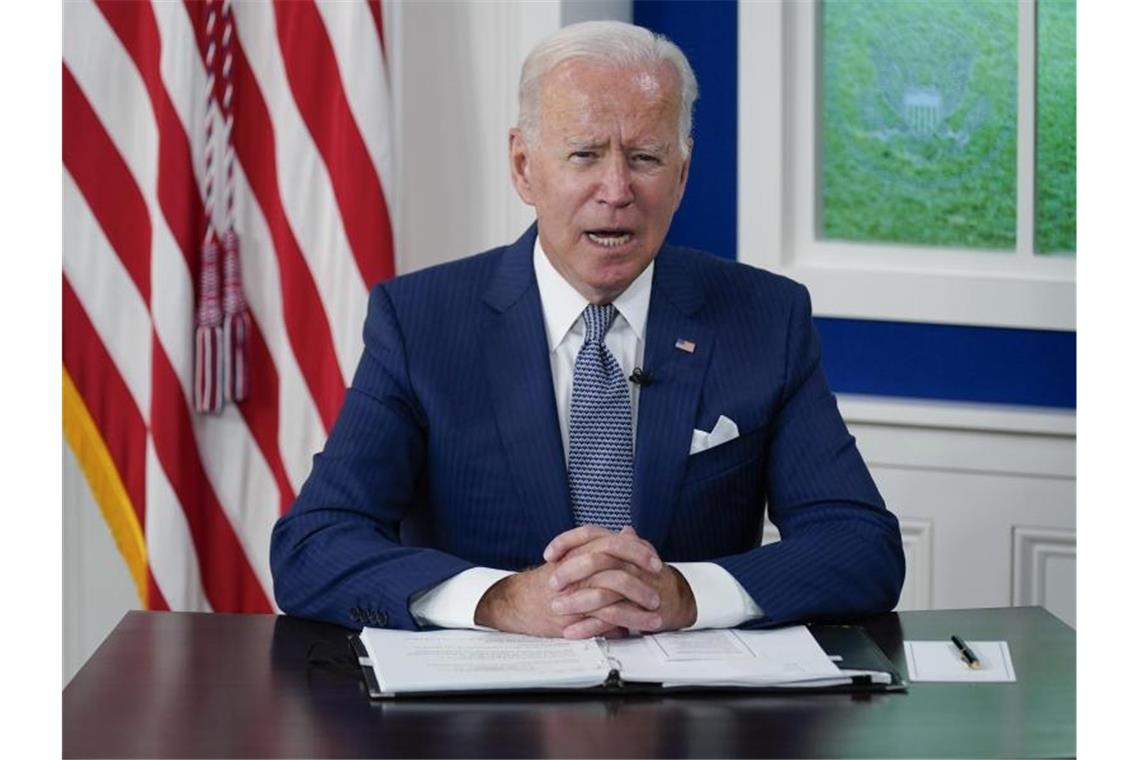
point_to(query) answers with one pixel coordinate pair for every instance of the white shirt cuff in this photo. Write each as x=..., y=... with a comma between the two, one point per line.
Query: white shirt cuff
x=721, y=601
x=452, y=604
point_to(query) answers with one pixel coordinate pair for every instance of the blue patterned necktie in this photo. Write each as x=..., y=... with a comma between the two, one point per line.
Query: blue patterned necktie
x=601, y=430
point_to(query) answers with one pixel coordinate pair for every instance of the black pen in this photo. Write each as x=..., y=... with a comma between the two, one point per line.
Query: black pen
x=967, y=654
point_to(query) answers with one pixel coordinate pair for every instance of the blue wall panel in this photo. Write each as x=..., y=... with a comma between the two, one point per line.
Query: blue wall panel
x=989, y=365
x=706, y=31
x=992, y=365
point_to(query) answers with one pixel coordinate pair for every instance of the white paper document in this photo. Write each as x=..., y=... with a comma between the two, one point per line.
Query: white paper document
x=725, y=658
x=941, y=661
x=461, y=659
x=698, y=645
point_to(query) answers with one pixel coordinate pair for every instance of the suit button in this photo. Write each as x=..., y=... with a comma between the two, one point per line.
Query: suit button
x=382, y=619
x=354, y=615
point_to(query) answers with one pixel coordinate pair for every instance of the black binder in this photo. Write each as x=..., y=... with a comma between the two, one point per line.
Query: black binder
x=849, y=646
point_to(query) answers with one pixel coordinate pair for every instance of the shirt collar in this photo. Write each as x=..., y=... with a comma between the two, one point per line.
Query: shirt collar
x=562, y=304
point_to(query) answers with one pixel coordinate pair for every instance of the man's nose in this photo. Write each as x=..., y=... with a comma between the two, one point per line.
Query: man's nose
x=615, y=187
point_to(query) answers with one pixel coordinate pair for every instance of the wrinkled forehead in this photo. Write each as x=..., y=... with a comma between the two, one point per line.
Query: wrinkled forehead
x=578, y=90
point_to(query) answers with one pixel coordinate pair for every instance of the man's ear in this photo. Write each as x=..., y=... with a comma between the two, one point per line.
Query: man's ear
x=520, y=165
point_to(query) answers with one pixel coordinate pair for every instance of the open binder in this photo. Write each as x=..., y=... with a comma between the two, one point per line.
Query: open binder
x=815, y=659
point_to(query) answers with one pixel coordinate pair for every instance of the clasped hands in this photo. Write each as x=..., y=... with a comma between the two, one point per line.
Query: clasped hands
x=594, y=582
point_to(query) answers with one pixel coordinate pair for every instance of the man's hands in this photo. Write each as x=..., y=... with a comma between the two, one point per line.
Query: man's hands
x=521, y=603
x=594, y=583
x=616, y=580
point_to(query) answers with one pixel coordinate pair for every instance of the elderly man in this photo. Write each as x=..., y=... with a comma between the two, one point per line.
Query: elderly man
x=577, y=434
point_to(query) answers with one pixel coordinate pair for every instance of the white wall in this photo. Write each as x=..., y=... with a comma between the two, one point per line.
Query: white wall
x=456, y=65
x=456, y=68
x=97, y=588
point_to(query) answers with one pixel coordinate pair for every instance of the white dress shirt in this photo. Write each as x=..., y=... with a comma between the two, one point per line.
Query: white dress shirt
x=721, y=601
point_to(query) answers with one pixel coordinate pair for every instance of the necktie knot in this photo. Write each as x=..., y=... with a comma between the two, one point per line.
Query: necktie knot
x=598, y=320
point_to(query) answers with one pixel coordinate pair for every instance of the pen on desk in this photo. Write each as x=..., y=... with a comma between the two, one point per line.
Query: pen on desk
x=968, y=655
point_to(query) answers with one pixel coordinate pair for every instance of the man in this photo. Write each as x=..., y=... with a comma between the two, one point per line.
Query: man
x=493, y=466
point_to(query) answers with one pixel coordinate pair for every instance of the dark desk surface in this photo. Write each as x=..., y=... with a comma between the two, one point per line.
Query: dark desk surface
x=187, y=684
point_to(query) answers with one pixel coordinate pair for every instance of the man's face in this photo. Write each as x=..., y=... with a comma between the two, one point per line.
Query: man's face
x=607, y=172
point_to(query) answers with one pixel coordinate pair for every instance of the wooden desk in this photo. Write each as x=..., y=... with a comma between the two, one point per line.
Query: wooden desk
x=187, y=684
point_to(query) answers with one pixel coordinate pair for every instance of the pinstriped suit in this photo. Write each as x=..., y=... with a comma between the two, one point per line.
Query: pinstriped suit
x=447, y=452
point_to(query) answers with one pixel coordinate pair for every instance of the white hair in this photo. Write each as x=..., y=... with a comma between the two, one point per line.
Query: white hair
x=612, y=43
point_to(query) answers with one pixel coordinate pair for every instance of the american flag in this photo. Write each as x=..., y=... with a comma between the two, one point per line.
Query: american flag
x=191, y=498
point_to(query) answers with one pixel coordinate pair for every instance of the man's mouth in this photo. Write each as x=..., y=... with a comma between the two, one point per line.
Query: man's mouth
x=610, y=238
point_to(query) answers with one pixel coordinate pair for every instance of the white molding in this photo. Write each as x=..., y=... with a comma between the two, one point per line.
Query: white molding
x=955, y=415
x=761, y=203
x=776, y=214
x=918, y=548
x=1026, y=127
x=966, y=451
x=942, y=436
x=1033, y=549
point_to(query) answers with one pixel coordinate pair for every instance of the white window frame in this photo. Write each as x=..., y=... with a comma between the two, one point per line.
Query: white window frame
x=779, y=197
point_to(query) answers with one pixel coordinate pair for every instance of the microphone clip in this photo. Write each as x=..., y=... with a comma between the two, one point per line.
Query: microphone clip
x=641, y=377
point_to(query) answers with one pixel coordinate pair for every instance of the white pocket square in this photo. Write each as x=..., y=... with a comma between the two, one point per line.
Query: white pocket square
x=723, y=432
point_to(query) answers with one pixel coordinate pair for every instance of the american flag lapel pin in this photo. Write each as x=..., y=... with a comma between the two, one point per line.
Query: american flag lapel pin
x=687, y=346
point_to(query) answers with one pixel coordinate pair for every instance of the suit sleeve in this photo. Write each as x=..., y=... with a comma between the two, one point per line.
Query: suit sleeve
x=336, y=555
x=840, y=551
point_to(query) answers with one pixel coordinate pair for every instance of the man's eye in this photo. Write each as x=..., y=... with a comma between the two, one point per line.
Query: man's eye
x=583, y=155
x=646, y=158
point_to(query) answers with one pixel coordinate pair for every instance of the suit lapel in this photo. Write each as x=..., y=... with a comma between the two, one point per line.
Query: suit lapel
x=517, y=364
x=667, y=408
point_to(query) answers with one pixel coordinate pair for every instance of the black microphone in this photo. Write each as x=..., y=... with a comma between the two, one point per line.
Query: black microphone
x=641, y=377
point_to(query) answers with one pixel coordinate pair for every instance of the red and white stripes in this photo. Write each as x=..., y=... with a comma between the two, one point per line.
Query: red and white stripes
x=300, y=168
x=221, y=373
x=208, y=367
x=235, y=320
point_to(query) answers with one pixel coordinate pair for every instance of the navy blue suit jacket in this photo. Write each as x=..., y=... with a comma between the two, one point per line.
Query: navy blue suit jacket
x=447, y=452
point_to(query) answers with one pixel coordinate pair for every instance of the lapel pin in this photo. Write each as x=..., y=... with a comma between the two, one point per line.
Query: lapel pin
x=687, y=346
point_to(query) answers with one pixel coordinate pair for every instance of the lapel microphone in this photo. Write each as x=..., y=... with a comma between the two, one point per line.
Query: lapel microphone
x=641, y=377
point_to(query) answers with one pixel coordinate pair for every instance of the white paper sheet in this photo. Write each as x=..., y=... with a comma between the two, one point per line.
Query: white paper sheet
x=941, y=661
x=755, y=658
x=410, y=661
x=698, y=645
